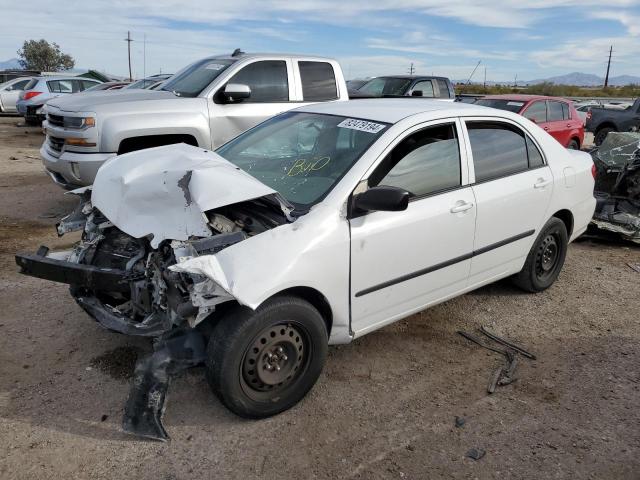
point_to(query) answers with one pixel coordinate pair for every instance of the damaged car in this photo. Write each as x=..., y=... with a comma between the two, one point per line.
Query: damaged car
x=315, y=227
x=617, y=187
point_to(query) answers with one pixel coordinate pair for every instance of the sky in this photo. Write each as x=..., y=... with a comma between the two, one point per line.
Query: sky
x=529, y=38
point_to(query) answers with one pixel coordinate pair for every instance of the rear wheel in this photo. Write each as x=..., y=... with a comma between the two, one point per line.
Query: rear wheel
x=573, y=145
x=260, y=363
x=545, y=259
x=601, y=135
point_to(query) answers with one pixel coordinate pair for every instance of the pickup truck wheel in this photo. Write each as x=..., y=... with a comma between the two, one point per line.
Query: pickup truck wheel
x=260, y=363
x=601, y=135
x=545, y=259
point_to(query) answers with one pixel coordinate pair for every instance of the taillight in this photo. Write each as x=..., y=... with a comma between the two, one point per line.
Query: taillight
x=594, y=171
x=31, y=94
x=589, y=114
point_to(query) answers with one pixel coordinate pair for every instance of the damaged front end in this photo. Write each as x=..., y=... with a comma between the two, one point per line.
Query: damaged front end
x=617, y=188
x=121, y=272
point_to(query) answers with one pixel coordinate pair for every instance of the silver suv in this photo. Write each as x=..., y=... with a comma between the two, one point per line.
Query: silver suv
x=205, y=104
x=42, y=89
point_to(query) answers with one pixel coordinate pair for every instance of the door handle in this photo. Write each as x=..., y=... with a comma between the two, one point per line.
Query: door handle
x=461, y=206
x=541, y=183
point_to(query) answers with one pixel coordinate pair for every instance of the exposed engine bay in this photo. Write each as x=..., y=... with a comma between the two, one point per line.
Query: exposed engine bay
x=150, y=299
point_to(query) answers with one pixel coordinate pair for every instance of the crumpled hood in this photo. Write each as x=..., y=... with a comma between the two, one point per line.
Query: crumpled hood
x=165, y=191
x=87, y=101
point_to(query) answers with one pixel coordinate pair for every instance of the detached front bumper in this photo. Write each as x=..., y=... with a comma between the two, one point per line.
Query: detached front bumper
x=72, y=170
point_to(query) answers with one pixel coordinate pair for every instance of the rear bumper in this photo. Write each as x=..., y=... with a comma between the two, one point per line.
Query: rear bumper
x=63, y=271
x=72, y=170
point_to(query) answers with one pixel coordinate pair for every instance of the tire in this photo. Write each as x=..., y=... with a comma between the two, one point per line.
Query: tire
x=573, y=145
x=260, y=363
x=545, y=259
x=32, y=121
x=601, y=135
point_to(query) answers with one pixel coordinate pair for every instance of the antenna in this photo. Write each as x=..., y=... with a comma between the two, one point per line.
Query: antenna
x=128, y=40
x=606, y=78
x=474, y=71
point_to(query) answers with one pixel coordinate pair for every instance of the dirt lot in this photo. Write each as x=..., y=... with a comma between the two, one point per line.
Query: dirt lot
x=384, y=407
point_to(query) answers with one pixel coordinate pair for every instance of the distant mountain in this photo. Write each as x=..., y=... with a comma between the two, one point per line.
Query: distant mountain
x=11, y=64
x=585, y=80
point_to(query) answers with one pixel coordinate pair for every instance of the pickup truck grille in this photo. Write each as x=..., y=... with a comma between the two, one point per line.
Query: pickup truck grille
x=55, y=120
x=56, y=143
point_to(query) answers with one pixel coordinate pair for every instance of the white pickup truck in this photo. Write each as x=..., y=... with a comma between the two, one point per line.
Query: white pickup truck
x=205, y=104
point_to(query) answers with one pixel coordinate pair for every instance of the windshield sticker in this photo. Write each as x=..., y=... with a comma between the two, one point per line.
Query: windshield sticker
x=302, y=166
x=361, y=125
x=214, y=66
x=515, y=104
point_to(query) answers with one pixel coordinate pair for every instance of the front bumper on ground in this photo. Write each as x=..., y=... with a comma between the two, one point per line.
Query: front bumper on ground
x=72, y=170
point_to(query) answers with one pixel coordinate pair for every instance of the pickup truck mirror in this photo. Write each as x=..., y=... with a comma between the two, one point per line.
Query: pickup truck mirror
x=382, y=198
x=236, y=92
x=416, y=93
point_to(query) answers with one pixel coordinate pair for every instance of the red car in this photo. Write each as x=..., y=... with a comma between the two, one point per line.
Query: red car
x=555, y=115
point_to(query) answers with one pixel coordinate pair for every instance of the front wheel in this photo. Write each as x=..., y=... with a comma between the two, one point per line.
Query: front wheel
x=262, y=362
x=545, y=259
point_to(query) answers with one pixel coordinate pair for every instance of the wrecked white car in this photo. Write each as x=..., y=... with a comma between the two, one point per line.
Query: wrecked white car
x=315, y=227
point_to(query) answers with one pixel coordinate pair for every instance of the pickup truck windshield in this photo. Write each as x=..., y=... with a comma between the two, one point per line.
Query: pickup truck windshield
x=501, y=104
x=385, y=86
x=196, y=77
x=302, y=155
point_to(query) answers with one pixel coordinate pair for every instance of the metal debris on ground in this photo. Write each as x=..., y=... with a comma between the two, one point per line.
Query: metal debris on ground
x=506, y=374
x=634, y=266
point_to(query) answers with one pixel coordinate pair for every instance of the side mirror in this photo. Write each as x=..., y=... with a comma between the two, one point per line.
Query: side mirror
x=236, y=92
x=416, y=93
x=9, y=88
x=382, y=198
x=534, y=120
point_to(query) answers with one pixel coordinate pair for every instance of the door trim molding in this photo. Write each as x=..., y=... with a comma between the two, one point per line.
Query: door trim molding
x=444, y=264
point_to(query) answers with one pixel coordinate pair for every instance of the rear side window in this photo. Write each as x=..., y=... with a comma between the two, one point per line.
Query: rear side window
x=20, y=85
x=424, y=86
x=87, y=84
x=424, y=163
x=267, y=80
x=498, y=150
x=318, y=81
x=443, y=87
x=536, y=112
x=60, y=86
x=555, y=112
x=535, y=157
x=565, y=111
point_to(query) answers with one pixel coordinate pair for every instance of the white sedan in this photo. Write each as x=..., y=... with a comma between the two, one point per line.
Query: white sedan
x=316, y=227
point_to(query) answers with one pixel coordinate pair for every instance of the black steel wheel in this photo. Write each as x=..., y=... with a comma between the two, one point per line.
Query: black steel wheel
x=262, y=362
x=600, y=135
x=545, y=259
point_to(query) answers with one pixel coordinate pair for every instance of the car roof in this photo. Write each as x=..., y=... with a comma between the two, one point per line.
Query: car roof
x=410, y=77
x=62, y=77
x=245, y=56
x=392, y=110
x=522, y=97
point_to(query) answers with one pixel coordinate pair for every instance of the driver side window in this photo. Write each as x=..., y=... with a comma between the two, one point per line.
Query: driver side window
x=267, y=80
x=424, y=163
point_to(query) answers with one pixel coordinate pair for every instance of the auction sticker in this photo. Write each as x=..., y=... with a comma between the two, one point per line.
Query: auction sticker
x=361, y=125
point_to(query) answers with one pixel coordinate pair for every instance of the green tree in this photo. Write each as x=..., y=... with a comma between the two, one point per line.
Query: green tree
x=44, y=56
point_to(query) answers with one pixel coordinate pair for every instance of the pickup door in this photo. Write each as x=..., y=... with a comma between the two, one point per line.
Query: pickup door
x=403, y=261
x=277, y=85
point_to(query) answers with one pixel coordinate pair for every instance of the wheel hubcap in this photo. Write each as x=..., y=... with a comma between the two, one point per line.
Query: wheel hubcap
x=547, y=256
x=274, y=358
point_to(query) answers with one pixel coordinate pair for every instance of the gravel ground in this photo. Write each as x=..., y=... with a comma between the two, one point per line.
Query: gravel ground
x=384, y=407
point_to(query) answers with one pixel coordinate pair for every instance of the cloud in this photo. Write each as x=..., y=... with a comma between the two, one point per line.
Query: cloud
x=629, y=20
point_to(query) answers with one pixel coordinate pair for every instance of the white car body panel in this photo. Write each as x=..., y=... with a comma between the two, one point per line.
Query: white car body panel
x=340, y=257
x=9, y=96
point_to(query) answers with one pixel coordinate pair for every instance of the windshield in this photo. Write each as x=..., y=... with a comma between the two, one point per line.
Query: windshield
x=501, y=104
x=302, y=155
x=196, y=77
x=385, y=86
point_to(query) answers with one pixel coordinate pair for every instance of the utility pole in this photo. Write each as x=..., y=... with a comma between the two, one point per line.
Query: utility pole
x=474, y=71
x=484, y=85
x=144, y=56
x=606, y=78
x=411, y=69
x=515, y=81
x=128, y=40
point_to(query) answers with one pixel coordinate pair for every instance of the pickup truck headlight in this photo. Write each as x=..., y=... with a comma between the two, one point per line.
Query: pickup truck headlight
x=79, y=122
